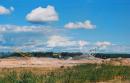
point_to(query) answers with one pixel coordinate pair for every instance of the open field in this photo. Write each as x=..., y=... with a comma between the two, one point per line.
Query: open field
x=86, y=73
x=52, y=70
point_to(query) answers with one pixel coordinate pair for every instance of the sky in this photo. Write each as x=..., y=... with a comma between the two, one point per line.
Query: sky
x=65, y=25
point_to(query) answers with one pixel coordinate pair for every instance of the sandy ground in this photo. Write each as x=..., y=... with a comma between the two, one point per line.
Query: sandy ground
x=52, y=62
x=41, y=62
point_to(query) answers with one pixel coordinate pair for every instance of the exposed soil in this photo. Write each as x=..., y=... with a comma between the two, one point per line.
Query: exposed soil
x=42, y=62
x=56, y=63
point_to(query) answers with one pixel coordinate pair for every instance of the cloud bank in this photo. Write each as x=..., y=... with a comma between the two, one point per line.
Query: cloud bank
x=78, y=25
x=59, y=41
x=103, y=44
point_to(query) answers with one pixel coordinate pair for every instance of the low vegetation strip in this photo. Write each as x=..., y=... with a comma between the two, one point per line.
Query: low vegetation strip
x=62, y=55
x=85, y=73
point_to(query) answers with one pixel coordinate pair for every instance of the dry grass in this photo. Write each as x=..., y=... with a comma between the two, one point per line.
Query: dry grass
x=87, y=73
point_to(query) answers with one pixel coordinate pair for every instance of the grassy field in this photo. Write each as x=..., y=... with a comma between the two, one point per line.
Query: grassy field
x=86, y=73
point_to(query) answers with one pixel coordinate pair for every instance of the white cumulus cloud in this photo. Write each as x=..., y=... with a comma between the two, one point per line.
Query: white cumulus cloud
x=59, y=41
x=103, y=44
x=41, y=14
x=83, y=43
x=4, y=10
x=65, y=43
x=77, y=25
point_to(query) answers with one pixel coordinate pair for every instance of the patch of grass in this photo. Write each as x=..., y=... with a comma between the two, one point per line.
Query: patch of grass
x=85, y=73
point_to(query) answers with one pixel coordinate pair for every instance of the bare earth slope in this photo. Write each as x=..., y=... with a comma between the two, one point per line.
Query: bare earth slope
x=53, y=62
x=42, y=62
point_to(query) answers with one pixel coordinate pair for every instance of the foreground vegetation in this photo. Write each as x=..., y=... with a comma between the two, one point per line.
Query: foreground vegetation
x=86, y=73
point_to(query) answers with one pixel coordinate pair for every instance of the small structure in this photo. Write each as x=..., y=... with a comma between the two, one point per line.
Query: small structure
x=57, y=55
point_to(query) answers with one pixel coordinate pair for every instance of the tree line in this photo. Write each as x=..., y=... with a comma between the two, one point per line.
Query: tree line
x=60, y=54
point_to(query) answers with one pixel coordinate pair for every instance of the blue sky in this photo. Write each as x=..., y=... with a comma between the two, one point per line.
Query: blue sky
x=88, y=23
